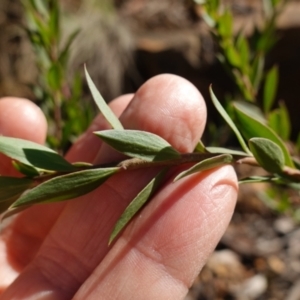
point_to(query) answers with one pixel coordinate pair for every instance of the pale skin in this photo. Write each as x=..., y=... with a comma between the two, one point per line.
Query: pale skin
x=60, y=251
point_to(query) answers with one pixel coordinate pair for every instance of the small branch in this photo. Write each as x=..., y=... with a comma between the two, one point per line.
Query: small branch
x=293, y=173
x=251, y=161
x=137, y=163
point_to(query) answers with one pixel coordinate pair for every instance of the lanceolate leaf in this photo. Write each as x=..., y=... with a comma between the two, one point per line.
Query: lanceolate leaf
x=65, y=187
x=279, y=121
x=12, y=186
x=255, y=179
x=206, y=164
x=257, y=71
x=26, y=170
x=63, y=57
x=200, y=147
x=268, y=154
x=33, y=154
x=270, y=88
x=251, y=127
x=11, y=211
x=136, y=204
x=140, y=144
x=104, y=108
x=228, y=120
x=221, y=150
x=10, y=189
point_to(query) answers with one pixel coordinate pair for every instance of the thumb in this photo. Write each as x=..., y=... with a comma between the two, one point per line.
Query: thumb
x=20, y=118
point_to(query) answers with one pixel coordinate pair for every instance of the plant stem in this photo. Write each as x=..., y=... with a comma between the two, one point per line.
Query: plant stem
x=137, y=163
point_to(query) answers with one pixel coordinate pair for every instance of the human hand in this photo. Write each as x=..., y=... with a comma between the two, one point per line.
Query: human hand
x=60, y=250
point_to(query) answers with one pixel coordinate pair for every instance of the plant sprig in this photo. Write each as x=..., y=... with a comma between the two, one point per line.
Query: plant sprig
x=61, y=99
x=48, y=177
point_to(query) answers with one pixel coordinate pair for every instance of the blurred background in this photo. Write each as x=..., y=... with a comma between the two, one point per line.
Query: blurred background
x=126, y=42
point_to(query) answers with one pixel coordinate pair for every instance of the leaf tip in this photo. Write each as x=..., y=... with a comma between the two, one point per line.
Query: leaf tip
x=111, y=239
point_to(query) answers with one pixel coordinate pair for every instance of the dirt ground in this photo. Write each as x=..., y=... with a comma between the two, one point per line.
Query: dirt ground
x=133, y=40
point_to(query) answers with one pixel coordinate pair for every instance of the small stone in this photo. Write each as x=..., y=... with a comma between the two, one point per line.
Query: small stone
x=225, y=263
x=252, y=288
x=276, y=264
x=284, y=225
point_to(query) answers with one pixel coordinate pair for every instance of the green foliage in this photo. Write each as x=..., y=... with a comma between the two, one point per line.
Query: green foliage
x=139, y=144
x=48, y=177
x=107, y=113
x=206, y=164
x=244, y=58
x=253, y=107
x=11, y=189
x=68, y=115
x=270, y=88
x=268, y=154
x=251, y=126
x=33, y=155
x=65, y=187
x=136, y=204
x=228, y=120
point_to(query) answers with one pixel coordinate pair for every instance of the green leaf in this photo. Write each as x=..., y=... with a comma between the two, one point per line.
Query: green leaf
x=225, y=25
x=12, y=186
x=233, y=56
x=55, y=76
x=80, y=164
x=103, y=107
x=206, y=164
x=270, y=89
x=267, y=40
x=220, y=150
x=293, y=185
x=25, y=169
x=268, y=154
x=10, y=190
x=268, y=8
x=32, y=154
x=243, y=48
x=200, y=147
x=251, y=110
x=40, y=25
x=208, y=19
x=65, y=187
x=257, y=71
x=279, y=121
x=10, y=211
x=63, y=56
x=136, y=204
x=255, y=179
x=54, y=21
x=228, y=120
x=251, y=127
x=140, y=144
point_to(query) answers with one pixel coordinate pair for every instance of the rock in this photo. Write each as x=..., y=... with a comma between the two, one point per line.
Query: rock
x=284, y=225
x=225, y=263
x=252, y=288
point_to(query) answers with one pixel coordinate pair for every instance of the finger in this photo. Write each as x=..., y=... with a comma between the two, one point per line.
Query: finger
x=88, y=145
x=78, y=241
x=26, y=233
x=20, y=118
x=160, y=254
